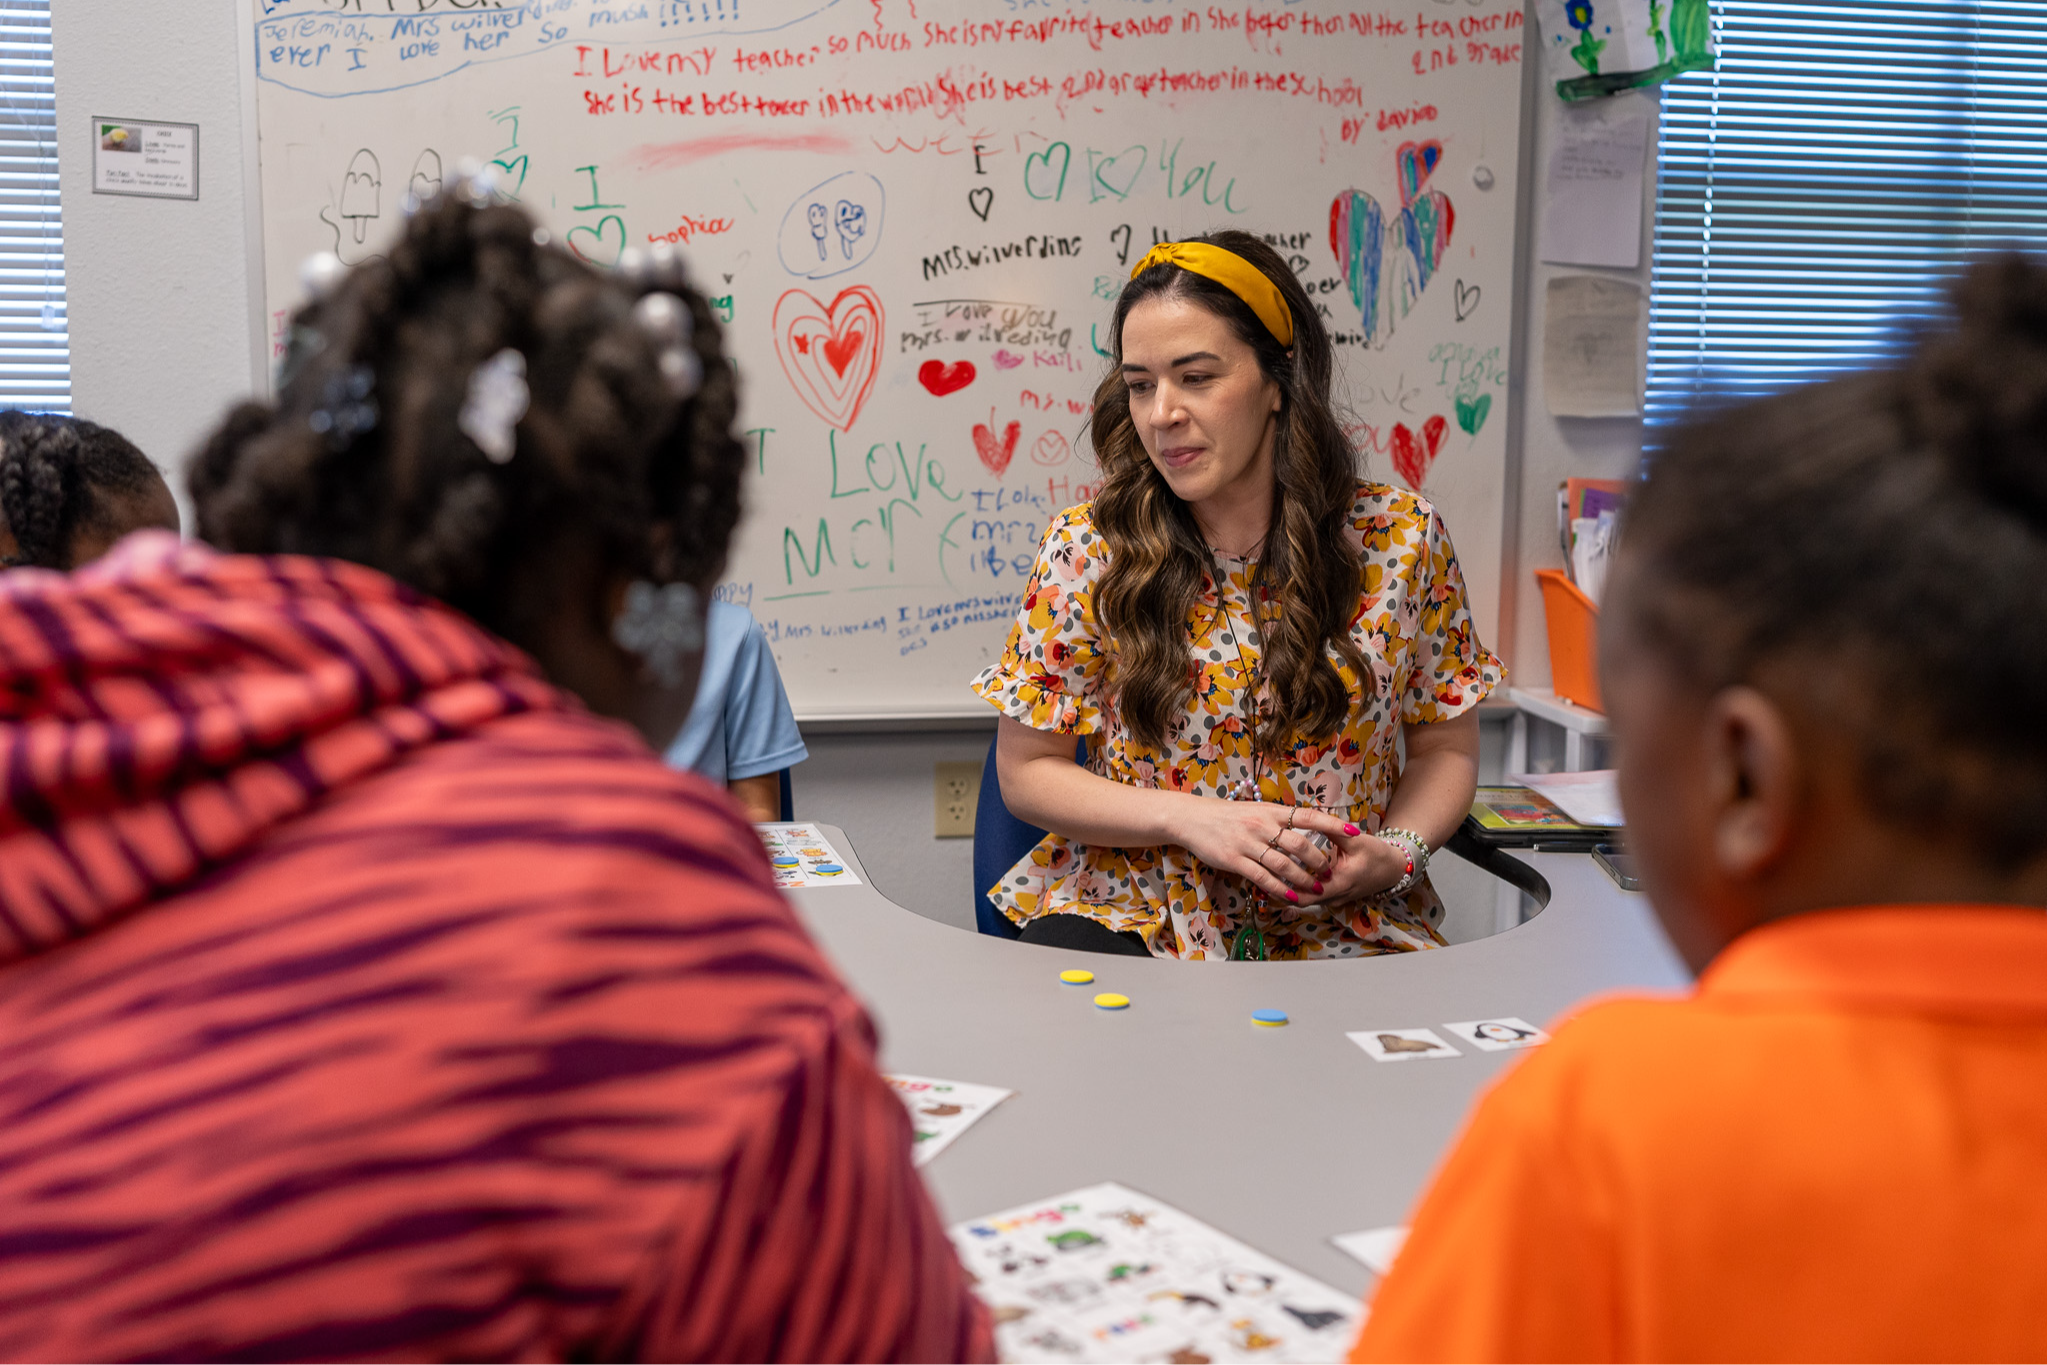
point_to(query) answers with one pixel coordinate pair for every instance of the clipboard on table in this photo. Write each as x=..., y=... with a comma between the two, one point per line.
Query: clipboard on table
x=1518, y=817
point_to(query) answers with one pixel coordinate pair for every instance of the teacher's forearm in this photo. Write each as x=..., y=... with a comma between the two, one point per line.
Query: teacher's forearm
x=1068, y=800
x=1438, y=781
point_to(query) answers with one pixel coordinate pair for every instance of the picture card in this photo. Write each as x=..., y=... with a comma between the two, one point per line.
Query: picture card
x=941, y=1110
x=1375, y=1248
x=1109, y=1274
x=1402, y=1044
x=1499, y=1035
x=800, y=855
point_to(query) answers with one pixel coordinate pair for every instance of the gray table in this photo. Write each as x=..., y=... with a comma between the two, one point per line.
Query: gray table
x=1281, y=1137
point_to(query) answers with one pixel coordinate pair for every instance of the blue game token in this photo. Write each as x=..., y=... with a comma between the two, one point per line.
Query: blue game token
x=1268, y=1018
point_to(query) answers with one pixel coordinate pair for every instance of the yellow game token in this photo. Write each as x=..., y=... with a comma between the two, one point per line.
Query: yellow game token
x=1109, y=1000
x=1077, y=977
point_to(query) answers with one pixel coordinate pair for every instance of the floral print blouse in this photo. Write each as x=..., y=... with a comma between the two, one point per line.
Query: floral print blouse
x=1414, y=629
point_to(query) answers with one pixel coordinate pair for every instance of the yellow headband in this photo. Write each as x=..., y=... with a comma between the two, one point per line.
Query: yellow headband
x=1233, y=273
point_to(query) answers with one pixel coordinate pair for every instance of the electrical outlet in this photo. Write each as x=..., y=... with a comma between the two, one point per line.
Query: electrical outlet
x=959, y=791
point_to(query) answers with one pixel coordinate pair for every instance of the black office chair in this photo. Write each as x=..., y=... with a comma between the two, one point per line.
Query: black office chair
x=1000, y=842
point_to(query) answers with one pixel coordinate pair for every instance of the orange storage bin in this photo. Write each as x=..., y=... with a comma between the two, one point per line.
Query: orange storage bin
x=1573, y=620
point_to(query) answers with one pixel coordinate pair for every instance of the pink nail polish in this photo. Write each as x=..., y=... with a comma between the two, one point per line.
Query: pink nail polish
x=1351, y=830
x=1318, y=888
x=1293, y=895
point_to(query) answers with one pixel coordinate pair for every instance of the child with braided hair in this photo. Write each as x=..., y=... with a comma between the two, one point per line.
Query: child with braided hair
x=70, y=488
x=371, y=988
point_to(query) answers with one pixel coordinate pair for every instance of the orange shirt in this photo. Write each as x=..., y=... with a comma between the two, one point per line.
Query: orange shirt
x=1835, y=1149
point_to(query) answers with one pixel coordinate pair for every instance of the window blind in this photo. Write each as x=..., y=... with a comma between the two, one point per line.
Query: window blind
x=35, y=347
x=1821, y=185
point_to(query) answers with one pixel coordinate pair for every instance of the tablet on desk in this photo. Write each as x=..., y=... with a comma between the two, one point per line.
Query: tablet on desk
x=1517, y=817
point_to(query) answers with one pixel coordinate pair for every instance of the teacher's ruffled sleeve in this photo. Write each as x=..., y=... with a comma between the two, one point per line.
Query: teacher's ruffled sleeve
x=1051, y=671
x=1452, y=672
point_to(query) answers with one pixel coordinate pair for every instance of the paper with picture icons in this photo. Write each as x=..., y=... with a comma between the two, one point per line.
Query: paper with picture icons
x=1401, y=1044
x=941, y=1110
x=800, y=855
x=1502, y=1034
x=1106, y=1273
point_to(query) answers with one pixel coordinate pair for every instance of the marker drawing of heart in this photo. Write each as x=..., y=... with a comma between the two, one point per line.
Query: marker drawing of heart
x=1467, y=300
x=1387, y=261
x=1471, y=412
x=1117, y=174
x=1007, y=360
x=980, y=199
x=599, y=245
x=942, y=379
x=1412, y=458
x=1413, y=161
x=1051, y=449
x=830, y=352
x=996, y=457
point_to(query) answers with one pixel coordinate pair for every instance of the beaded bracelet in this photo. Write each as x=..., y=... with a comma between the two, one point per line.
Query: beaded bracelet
x=1417, y=858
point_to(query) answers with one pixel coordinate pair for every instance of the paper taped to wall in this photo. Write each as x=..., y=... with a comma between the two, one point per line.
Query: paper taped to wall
x=1592, y=347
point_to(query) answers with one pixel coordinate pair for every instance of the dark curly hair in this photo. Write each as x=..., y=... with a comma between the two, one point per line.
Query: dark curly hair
x=1158, y=564
x=362, y=456
x=1883, y=536
x=63, y=476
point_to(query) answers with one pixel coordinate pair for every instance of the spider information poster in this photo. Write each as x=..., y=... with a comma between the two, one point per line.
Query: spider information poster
x=1109, y=1274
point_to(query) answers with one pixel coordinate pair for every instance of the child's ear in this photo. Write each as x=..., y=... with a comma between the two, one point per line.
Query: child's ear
x=1754, y=779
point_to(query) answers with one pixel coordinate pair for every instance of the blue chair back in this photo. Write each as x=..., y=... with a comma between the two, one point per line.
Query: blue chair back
x=788, y=798
x=1000, y=842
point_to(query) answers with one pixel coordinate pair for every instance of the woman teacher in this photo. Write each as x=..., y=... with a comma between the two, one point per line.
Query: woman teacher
x=1245, y=630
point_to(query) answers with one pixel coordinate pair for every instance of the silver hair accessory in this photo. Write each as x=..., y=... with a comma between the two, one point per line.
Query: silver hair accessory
x=632, y=265
x=497, y=399
x=475, y=183
x=319, y=273
x=541, y=236
x=348, y=407
x=663, y=624
x=666, y=321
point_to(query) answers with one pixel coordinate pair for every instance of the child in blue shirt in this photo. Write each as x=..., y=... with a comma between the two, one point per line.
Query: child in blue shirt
x=740, y=730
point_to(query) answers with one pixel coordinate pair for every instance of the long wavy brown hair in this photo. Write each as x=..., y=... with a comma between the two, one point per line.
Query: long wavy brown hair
x=1158, y=563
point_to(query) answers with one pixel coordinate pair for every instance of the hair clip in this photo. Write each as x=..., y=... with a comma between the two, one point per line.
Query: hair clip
x=475, y=183
x=497, y=399
x=347, y=408
x=667, y=323
x=319, y=273
x=663, y=625
x=541, y=236
x=664, y=265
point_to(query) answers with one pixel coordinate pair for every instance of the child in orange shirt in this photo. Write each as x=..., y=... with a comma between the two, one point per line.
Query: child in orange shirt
x=1826, y=646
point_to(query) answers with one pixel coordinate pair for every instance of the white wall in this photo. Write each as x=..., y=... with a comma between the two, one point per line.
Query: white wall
x=166, y=321
x=167, y=329
x=1551, y=449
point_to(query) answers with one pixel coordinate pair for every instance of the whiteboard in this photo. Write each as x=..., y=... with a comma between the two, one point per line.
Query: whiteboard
x=914, y=216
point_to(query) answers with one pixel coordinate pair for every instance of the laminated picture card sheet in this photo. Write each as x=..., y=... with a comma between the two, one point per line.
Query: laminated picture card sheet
x=1109, y=1274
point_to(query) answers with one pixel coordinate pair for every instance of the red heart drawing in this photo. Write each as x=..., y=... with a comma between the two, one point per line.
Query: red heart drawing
x=830, y=352
x=1414, y=161
x=1412, y=461
x=996, y=457
x=1007, y=360
x=1051, y=449
x=943, y=379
